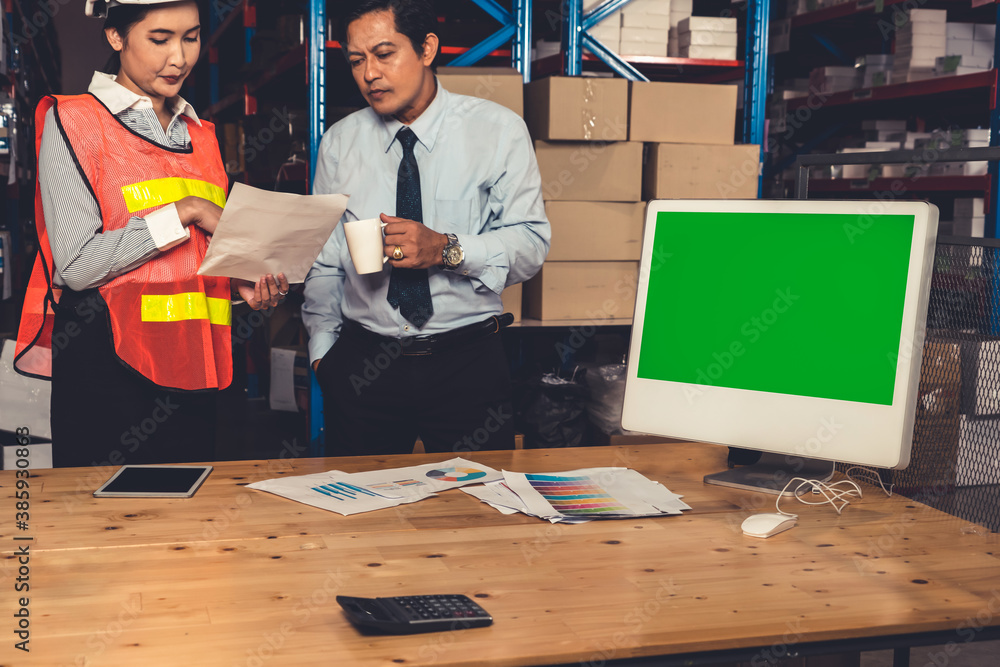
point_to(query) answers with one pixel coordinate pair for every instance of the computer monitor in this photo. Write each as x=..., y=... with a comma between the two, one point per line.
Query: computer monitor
x=791, y=327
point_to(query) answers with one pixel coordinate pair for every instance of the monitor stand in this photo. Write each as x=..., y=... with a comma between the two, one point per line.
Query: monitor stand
x=772, y=472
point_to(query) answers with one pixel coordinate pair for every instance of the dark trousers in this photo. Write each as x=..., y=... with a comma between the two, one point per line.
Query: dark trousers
x=104, y=413
x=377, y=399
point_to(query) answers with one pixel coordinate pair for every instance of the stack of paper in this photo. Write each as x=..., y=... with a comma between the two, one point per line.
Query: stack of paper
x=580, y=495
x=353, y=493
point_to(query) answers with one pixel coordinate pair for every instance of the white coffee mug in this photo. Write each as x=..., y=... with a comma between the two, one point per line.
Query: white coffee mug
x=365, y=242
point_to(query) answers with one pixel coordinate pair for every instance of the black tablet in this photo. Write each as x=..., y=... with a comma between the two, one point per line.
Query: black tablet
x=154, y=481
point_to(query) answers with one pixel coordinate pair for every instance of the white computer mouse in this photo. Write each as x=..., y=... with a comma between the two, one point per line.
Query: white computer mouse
x=766, y=525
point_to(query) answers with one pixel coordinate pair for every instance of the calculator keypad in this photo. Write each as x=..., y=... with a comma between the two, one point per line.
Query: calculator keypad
x=439, y=607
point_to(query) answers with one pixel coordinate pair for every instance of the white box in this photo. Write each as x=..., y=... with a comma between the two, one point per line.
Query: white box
x=969, y=207
x=713, y=23
x=915, y=138
x=707, y=38
x=923, y=29
x=928, y=15
x=650, y=35
x=681, y=6
x=709, y=52
x=960, y=30
x=974, y=227
x=982, y=48
x=640, y=20
x=642, y=49
x=876, y=77
x=922, y=42
x=985, y=31
x=958, y=47
x=657, y=7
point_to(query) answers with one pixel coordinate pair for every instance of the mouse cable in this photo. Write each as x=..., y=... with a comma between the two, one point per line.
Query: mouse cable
x=833, y=494
x=870, y=476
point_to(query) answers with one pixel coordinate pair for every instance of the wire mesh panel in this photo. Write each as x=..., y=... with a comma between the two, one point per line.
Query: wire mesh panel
x=955, y=463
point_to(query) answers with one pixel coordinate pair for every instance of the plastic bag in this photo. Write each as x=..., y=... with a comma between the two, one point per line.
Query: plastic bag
x=554, y=411
x=607, y=396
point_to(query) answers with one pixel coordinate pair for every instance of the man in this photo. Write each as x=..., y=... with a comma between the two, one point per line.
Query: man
x=414, y=350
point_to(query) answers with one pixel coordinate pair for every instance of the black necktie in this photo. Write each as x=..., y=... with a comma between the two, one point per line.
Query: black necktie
x=408, y=288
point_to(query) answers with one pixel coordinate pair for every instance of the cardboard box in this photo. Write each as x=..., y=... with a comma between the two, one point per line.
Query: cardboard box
x=512, y=298
x=707, y=38
x=644, y=20
x=657, y=49
x=565, y=108
x=595, y=230
x=653, y=7
x=693, y=113
x=714, y=23
x=586, y=171
x=646, y=34
x=693, y=171
x=709, y=52
x=593, y=291
x=503, y=85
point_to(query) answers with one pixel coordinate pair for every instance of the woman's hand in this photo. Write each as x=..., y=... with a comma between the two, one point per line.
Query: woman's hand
x=265, y=293
x=200, y=212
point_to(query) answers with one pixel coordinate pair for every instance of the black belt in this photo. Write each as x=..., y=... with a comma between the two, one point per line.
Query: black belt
x=423, y=345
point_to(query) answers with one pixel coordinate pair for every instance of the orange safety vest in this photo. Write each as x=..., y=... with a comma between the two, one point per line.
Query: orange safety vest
x=168, y=324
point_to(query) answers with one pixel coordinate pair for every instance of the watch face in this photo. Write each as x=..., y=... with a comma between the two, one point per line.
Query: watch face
x=453, y=255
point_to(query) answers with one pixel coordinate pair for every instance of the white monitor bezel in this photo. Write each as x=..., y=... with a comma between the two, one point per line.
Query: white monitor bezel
x=826, y=429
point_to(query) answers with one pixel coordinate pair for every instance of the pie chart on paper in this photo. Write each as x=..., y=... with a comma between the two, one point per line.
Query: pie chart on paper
x=456, y=474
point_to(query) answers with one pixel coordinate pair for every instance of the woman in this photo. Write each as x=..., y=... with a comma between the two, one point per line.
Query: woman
x=130, y=187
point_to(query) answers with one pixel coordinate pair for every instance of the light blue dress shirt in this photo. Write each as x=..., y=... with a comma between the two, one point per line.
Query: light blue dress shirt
x=479, y=180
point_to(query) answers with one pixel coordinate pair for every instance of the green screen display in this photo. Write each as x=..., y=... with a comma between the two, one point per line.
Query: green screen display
x=801, y=304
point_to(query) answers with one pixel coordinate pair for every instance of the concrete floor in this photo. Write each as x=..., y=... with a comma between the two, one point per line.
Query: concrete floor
x=975, y=654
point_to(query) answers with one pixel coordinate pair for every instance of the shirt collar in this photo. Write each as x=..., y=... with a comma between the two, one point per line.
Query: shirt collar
x=426, y=125
x=118, y=98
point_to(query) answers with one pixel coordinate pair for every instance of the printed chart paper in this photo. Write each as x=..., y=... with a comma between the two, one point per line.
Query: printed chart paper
x=592, y=493
x=353, y=493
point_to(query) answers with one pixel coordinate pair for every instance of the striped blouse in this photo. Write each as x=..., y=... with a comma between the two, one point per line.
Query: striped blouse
x=85, y=257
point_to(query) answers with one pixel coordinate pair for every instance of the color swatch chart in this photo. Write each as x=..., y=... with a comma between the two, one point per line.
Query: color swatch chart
x=578, y=496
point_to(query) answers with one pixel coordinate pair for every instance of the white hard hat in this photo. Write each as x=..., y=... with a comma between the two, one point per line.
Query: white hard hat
x=99, y=8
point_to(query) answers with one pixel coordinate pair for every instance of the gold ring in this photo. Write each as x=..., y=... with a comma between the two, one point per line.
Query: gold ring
x=397, y=253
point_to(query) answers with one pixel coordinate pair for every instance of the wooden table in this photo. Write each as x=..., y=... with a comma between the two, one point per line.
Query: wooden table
x=241, y=577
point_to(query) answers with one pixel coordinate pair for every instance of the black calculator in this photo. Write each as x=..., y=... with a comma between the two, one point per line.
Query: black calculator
x=415, y=613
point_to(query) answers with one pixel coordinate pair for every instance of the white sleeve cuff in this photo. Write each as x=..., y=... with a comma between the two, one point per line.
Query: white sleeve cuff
x=165, y=227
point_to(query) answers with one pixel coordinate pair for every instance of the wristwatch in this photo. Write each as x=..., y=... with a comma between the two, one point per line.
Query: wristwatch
x=452, y=255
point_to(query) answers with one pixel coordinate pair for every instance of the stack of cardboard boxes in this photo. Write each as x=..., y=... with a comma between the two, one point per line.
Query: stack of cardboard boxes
x=604, y=146
x=679, y=10
x=968, y=49
x=920, y=41
x=591, y=183
x=504, y=86
x=969, y=217
x=645, y=28
x=708, y=37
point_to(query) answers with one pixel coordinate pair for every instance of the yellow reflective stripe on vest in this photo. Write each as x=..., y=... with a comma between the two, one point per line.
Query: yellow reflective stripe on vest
x=187, y=306
x=162, y=191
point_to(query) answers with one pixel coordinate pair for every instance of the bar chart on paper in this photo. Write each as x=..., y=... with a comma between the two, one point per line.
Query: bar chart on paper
x=576, y=496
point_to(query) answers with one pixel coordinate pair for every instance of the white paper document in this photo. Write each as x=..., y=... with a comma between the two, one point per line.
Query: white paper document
x=282, y=394
x=575, y=495
x=353, y=493
x=262, y=232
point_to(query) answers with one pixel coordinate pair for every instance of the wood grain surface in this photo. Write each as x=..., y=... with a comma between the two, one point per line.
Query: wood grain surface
x=237, y=577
